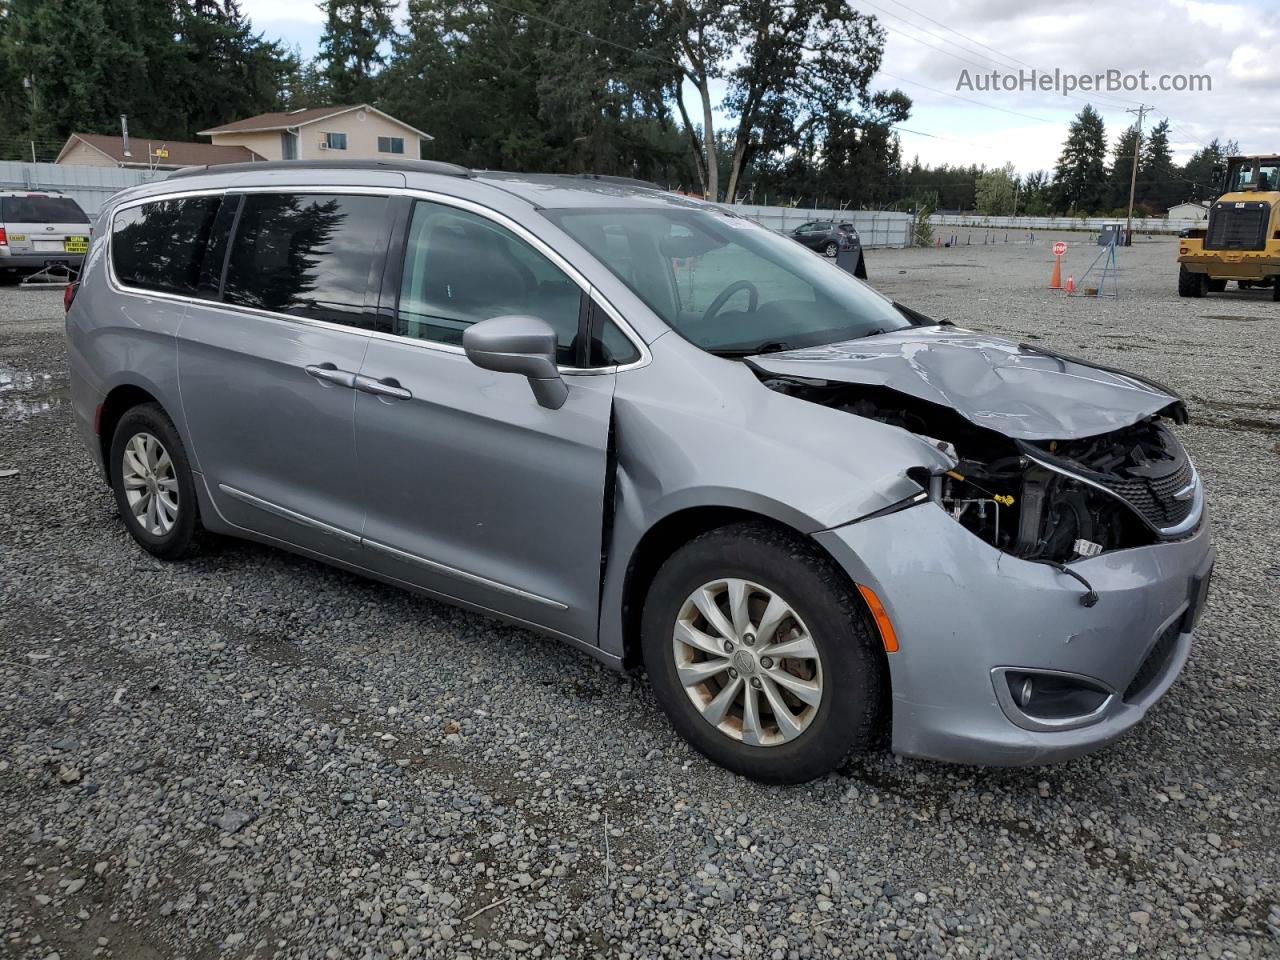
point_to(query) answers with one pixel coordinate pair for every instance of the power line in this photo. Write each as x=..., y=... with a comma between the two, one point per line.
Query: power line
x=956, y=96
x=982, y=66
x=925, y=16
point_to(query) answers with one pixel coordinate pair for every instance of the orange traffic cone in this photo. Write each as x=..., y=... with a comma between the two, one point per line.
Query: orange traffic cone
x=1055, y=282
x=1071, y=283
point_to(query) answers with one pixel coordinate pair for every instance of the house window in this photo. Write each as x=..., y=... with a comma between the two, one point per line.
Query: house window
x=391, y=144
x=335, y=141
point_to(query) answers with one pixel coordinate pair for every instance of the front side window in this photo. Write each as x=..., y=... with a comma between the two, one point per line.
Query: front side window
x=461, y=268
x=726, y=284
x=160, y=246
x=335, y=141
x=307, y=255
x=391, y=144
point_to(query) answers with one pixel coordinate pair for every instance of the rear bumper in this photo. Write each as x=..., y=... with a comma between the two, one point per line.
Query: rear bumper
x=37, y=261
x=962, y=610
x=1230, y=264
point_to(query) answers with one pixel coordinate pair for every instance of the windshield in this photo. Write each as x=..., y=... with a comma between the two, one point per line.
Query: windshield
x=727, y=284
x=1244, y=176
x=39, y=209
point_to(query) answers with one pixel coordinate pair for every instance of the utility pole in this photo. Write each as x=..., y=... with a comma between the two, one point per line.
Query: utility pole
x=1141, y=111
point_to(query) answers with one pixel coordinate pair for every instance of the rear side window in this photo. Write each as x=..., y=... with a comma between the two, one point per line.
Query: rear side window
x=307, y=255
x=38, y=209
x=159, y=246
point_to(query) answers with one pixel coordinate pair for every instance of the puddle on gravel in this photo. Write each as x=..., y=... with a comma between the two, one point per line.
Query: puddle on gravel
x=24, y=395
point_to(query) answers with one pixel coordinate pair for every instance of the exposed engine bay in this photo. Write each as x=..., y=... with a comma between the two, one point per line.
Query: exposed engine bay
x=1050, y=501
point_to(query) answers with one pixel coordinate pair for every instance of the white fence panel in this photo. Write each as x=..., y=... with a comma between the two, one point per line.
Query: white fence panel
x=88, y=186
x=1086, y=224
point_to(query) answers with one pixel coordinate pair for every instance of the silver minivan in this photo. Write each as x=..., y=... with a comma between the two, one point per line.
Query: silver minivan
x=659, y=432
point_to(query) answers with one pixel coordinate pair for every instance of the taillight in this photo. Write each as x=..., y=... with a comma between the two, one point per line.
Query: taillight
x=4, y=238
x=69, y=294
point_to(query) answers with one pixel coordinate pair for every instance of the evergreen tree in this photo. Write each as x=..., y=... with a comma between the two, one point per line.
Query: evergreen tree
x=1156, y=172
x=1081, y=174
x=1199, y=182
x=1037, y=194
x=351, y=47
x=1121, y=172
x=227, y=71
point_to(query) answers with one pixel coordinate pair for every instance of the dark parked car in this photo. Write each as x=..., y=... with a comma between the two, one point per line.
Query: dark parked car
x=830, y=237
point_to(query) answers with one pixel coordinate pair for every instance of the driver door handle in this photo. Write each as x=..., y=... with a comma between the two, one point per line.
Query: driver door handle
x=329, y=373
x=387, y=387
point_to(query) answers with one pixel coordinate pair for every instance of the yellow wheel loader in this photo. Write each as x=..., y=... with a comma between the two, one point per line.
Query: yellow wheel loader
x=1241, y=239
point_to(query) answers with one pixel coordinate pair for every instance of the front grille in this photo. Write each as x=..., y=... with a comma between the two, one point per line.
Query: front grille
x=1238, y=226
x=1154, y=663
x=1153, y=497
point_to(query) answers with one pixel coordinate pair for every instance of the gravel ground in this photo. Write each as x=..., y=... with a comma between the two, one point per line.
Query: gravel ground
x=250, y=754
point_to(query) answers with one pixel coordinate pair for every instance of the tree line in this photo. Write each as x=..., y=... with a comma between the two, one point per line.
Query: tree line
x=540, y=85
x=620, y=87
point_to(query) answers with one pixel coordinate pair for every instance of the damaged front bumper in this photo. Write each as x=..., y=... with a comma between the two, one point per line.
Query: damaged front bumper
x=974, y=623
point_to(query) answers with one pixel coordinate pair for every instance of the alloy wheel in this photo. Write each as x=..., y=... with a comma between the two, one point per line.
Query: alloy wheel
x=747, y=662
x=150, y=484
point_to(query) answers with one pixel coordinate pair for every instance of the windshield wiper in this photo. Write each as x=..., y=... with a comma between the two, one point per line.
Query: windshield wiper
x=918, y=319
x=769, y=346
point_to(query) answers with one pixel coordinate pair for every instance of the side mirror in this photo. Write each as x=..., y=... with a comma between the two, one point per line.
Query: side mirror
x=519, y=344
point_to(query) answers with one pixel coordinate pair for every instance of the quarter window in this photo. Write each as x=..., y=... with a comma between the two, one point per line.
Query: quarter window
x=307, y=255
x=461, y=268
x=160, y=246
x=391, y=144
x=335, y=141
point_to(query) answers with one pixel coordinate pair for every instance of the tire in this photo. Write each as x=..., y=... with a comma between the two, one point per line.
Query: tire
x=157, y=472
x=830, y=249
x=1216, y=286
x=848, y=671
x=860, y=271
x=1190, y=284
x=1275, y=289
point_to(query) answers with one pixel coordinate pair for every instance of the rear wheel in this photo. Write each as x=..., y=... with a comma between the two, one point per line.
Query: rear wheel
x=762, y=655
x=1275, y=289
x=1190, y=284
x=152, y=481
x=831, y=249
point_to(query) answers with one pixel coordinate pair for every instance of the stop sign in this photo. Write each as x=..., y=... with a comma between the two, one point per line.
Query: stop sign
x=1059, y=248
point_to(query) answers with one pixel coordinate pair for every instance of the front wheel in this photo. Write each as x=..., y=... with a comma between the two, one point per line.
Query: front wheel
x=762, y=655
x=152, y=481
x=1190, y=284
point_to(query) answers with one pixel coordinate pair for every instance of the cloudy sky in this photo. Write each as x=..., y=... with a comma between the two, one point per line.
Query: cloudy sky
x=1236, y=43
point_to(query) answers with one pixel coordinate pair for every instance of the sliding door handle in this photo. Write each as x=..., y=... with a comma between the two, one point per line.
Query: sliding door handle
x=388, y=387
x=331, y=374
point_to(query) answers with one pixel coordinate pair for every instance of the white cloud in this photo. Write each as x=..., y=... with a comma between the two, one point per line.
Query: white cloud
x=1236, y=43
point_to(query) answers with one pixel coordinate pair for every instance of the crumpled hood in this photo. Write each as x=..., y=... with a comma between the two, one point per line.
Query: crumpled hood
x=1010, y=388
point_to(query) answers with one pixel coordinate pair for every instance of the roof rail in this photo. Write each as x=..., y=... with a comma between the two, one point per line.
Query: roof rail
x=407, y=166
x=620, y=181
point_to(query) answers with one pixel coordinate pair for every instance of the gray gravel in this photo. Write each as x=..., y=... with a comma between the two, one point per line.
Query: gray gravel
x=250, y=754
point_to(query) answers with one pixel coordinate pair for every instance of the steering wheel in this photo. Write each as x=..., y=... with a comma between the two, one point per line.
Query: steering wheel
x=718, y=303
